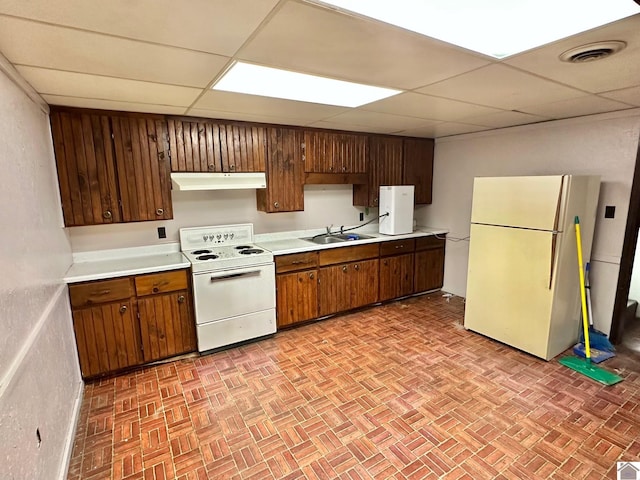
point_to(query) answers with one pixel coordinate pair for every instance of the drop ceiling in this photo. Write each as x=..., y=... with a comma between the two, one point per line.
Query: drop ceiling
x=162, y=56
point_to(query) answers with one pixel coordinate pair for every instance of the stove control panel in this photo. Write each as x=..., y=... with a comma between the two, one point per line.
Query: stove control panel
x=223, y=235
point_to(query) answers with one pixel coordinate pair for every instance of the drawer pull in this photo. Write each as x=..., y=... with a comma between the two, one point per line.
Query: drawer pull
x=234, y=275
x=102, y=292
x=123, y=308
x=155, y=289
x=297, y=262
x=181, y=299
x=311, y=276
x=399, y=246
x=344, y=269
x=356, y=267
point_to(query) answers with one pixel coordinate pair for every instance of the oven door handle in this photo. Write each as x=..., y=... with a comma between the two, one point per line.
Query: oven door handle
x=227, y=276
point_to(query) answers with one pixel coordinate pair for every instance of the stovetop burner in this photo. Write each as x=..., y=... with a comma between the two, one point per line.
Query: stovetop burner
x=207, y=257
x=251, y=251
x=242, y=247
x=200, y=252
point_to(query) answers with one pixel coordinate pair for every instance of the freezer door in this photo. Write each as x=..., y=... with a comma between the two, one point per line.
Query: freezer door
x=526, y=202
x=509, y=294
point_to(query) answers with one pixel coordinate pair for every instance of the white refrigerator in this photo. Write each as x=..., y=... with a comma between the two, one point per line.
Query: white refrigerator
x=523, y=283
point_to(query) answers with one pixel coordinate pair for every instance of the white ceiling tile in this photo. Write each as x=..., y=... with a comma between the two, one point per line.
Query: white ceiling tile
x=391, y=123
x=247, y=117
x=621, y=70
x=312, y=39
x=215, y=26
x=258, y=105
x=504, y=119
x=351, y=127
x=443, y=129
x=626, y=95
x=69, y=84
x=112, y=105
x=74, y=50
x=427, y=107
x=501, y=87
x=575, y=107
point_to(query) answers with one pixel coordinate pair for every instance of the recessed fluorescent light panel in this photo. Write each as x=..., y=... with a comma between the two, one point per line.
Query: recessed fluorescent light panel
x=272, y=82
x=498, y=28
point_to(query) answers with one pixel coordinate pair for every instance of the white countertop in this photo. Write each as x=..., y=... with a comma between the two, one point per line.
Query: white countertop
x=291, y=242
x=122, y=262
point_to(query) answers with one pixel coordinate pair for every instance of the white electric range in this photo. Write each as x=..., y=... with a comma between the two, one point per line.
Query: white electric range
x=233, y=284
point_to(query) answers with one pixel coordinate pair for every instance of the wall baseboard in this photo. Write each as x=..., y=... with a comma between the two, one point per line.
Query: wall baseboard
x=71, y=433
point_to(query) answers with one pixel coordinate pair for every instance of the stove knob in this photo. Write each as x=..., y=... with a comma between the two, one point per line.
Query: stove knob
x=204, y=237
x=231, y=236
x=226, y=236
x=218, y=237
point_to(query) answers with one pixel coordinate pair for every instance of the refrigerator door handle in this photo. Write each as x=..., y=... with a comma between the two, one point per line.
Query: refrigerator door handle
x=552, y=268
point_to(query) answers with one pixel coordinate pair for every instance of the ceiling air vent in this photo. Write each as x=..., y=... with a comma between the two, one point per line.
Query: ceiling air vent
x=592, y=51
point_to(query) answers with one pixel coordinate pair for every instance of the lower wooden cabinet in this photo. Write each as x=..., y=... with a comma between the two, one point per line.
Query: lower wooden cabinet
x=166, y=325
x=349, y=285
x=296, y=297
x=429, y=264
x=124, y=322
x=107, y=338
x=396, y=276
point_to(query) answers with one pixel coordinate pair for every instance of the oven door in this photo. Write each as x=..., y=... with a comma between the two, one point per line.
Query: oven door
x=229, y=293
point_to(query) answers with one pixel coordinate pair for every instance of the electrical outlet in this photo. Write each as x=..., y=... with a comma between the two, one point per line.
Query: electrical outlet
x=609, y=211
x=361, y=216
x=162, y=232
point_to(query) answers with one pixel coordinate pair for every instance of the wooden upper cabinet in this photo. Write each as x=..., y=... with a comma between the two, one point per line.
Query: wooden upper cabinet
x=385, y=168
x=142, y=160
x=418, y=167
x=284, y=172
x=86, y=168
x=333, y=152
x=200, y=145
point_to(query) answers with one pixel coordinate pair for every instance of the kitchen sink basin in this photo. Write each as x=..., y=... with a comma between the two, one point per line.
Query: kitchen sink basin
x=336, y=238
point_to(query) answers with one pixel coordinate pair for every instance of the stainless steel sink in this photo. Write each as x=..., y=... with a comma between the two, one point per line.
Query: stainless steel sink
x=336, y=238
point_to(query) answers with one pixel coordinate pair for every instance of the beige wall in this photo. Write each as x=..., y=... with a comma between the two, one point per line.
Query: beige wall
x=40, y=380
x=602, y=145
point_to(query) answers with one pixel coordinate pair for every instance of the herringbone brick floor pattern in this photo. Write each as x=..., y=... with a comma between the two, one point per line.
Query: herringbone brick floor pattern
x=398, y=391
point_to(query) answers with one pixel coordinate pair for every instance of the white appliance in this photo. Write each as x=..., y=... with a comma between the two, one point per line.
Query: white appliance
x=522, y=284
x=233, y=285
x=397, y=201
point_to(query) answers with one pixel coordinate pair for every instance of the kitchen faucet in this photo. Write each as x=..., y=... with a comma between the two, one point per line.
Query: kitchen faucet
x=329, y=229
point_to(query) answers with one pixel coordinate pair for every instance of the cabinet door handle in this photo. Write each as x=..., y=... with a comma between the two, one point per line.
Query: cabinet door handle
x=181, y=299
x=123, y=308
x=211, y=167
x=311, y=276
x=276, y=205
x=160, y=211
x=107, y=214
x=356, y=267
x=344, y=268
x=232, y=167
x=385, y=263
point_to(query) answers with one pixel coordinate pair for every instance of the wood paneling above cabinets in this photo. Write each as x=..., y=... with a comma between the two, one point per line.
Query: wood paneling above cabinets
x=111, y=167
x=200, y=145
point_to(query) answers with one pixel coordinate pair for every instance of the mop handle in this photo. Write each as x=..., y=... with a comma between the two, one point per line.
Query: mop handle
x=583, y=297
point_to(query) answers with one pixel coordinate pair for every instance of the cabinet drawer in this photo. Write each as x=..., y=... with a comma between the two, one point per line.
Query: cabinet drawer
x=86, y=294
x=427, y=243
x=348, y=254
x=396, y=247
x=296, y=261
x=161, y=282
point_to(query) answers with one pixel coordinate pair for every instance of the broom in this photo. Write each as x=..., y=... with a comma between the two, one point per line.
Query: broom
x=584, y=365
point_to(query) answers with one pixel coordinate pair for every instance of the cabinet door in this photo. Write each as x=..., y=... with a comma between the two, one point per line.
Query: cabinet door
x=429, y=269
x=195, y=145
x=107, y=338
x=142, y=159
x=296, y=297
x=86, y=168
x=167, y=326
x=385, y=168
x=334, y=289
x=318, y=152
x=349, y=152
x=284, y=172
x=418, y=167
x=396, y=276
x=243, y=148
x=363, y=285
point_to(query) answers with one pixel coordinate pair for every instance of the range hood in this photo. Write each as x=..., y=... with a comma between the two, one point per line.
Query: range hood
x=218, y=181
